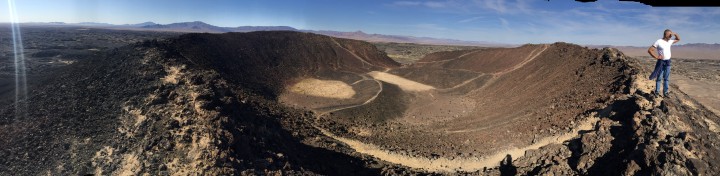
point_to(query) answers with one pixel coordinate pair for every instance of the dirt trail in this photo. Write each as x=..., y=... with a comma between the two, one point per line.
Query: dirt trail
x=498, y=74
x=445, y=164
x=463, y=55
x=529, y=58
x=465, y=82
x=352, y=53
x=467, y=164
x=320, y=114
x=403, y=83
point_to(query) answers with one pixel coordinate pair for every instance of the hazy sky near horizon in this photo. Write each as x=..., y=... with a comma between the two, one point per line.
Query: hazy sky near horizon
x=511, y=21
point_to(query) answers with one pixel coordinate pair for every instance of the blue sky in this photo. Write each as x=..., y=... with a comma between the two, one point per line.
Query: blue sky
x=512, y=21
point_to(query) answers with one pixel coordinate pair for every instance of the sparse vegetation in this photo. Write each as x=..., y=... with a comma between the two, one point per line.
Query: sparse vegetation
x=407, y=53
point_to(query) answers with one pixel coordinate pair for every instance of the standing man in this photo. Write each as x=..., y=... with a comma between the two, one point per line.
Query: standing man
x=661, y=51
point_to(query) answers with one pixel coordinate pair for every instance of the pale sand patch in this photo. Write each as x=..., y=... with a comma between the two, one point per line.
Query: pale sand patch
x=66, y=62
x=132, y=121
x=643, y=84
x=712, y=126
x=323, y=88
x=102, y=157
x=404, y=84
x=173, y=74
x=470, y=164
x=130, y=165
x=139, y=117
x=361, y=131
x=688, y=103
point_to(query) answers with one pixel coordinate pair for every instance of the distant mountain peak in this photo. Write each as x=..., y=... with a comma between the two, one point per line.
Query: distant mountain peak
x=261, y=28
x=197, y=22
x=93, y=24
x=147, y=23
x=196, y=26
x=359, y=32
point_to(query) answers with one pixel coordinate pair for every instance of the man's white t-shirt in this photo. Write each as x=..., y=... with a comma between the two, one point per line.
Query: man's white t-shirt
x=663, y=48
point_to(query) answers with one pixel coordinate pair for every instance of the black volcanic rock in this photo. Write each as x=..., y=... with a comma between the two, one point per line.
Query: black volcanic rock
x=189, y=105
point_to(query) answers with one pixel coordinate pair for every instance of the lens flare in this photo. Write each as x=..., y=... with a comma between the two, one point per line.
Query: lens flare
x=19, y=56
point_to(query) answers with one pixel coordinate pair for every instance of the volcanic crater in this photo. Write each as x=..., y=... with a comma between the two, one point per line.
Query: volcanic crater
x=299, y=103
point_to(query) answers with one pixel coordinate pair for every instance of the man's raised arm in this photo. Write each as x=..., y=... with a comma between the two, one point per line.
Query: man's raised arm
x=677, y=38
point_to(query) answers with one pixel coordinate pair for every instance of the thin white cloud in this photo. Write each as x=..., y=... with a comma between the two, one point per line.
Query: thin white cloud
x=505, y=6
x=406, y=3
x=429, y=4
x=470, y=19
x=504, y=22
x=434, y=4
x=430, y=26
x=471, y=6
x=614, y=23
x=496, y=5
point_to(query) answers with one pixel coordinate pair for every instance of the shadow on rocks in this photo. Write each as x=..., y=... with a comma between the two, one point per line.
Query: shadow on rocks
x=507, y=167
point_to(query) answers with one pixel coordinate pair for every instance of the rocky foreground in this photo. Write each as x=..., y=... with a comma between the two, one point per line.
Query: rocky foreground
x=639, y=134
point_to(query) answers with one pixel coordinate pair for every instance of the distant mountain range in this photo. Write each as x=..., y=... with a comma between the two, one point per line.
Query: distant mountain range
x=359, y=35
x=199, y=26
x=685, y=51
x=690, y=50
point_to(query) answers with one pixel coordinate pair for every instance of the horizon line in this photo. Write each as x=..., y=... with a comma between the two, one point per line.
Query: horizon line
x=320, y=30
